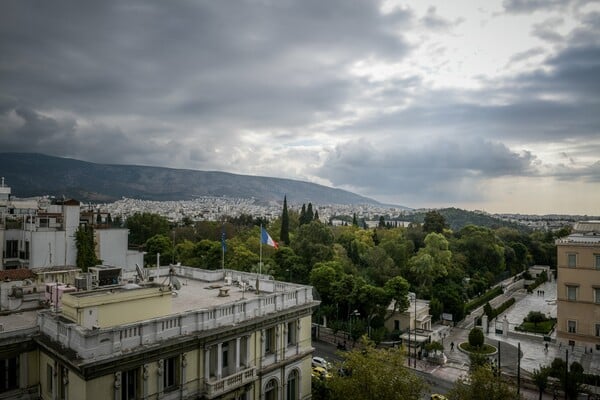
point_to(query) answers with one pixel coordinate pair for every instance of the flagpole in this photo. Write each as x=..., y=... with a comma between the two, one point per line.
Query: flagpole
x=259, y=261
x=260, y=257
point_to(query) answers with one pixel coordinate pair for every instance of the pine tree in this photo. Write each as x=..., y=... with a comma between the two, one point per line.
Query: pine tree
x=284, y=235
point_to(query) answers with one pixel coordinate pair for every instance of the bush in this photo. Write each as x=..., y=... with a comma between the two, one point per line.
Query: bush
x=476, y=338
x=536, y=317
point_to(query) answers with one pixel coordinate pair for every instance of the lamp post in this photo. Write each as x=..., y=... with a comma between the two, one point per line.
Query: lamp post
x=416, y=328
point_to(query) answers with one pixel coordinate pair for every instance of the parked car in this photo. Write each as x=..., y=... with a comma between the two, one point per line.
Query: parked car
x=436, y=396
x=320, y=373
x=321, y=362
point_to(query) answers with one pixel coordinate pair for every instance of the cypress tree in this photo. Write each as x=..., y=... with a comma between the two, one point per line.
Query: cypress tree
x=309, y=213
x=284, y=236
x=354, y=220
x=316, y=215
x=302, y=219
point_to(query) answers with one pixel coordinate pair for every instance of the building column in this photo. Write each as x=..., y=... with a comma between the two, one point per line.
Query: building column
x=145, y=375
x=182, y=375
x=277, y=340
x=207, y=364
x=248, y=342
x=262, y=343
x=65, y=380
x=219, y=360
x=237, y=353
x=159, y=379
x=117, y=385
x=298, y=331
x=285, y=340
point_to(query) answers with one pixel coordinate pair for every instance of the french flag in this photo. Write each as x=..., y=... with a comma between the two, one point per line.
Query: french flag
x=265, y=238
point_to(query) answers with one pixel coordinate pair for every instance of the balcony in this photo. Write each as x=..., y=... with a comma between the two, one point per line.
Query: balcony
x=215, y=388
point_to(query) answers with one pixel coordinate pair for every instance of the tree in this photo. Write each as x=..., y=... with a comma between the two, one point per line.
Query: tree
x=158, y=244
x=476, y=338
x=482, y=384
x=432, y=261
x=381, y=222
x=310, y=216
x=86, y=254
x=536, y=317
x=316, y=217
x=354, y=220
x=142, y=226
x=397, y=290
x=540, y=378
x=303, y=215
x=284, y=234
x=378, y=374
x=434, y=222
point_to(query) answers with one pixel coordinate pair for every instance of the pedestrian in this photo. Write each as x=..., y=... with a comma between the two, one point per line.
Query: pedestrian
x=559, y=345
x=451, y=346
x=546, y=347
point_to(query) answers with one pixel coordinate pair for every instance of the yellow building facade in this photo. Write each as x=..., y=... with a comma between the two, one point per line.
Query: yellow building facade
x=578, y=286
x=213, y=338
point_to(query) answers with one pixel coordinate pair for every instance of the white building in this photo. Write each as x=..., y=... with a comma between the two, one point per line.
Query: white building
x=39, y=233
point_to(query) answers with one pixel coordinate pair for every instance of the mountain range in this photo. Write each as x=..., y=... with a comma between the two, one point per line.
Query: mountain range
x=32, y=174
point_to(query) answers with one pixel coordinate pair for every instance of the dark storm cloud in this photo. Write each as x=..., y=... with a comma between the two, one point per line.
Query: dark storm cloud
x=424, y=169
x=528, y=6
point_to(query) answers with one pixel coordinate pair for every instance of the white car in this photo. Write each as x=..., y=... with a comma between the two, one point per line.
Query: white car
x=320, y=362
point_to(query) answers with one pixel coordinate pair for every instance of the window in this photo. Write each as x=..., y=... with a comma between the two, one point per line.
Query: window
x=396, y=325
x=571, y=293
x=597, y=295
x=597, y=329
x=129, y=384
x=9, y=374
x=270, y=340
x=572, y=326
x=291, y=333
x=597, y=259
x=225, y=354
x=49, y=378
x=292, y=386
x=170, y=373
x=271, y=390
x=572, y=260
x=12, y=249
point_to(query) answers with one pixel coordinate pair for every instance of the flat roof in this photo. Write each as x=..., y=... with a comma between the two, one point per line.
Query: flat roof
x=18, y=320
x=197, y=294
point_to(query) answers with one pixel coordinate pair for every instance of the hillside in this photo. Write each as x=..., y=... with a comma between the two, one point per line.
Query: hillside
x=457, y=219
x=31, y=174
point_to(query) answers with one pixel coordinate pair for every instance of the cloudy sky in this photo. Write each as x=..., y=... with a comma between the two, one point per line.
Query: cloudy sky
x=491, y=105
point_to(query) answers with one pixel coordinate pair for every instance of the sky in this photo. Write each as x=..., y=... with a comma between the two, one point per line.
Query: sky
x=482, y=105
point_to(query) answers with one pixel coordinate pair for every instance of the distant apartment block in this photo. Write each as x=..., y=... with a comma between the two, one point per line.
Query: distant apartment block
x=40, y=233
x=578, y=286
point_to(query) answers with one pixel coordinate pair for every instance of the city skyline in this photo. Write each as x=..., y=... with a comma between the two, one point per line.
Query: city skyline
x=429, y=104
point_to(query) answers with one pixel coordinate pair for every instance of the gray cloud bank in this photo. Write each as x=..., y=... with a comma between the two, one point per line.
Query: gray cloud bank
x=209, y=85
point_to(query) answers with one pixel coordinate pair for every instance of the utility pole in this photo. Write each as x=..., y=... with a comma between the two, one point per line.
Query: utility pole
x=519, y=368
x=566, y=372
x=499, y=361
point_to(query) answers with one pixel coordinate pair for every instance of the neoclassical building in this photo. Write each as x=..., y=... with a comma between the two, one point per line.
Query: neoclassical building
x=578, y=287
x=178, y=333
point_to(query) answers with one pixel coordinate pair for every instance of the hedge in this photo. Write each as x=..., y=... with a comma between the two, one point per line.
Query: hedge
x=487, y=296
x=502, y=308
